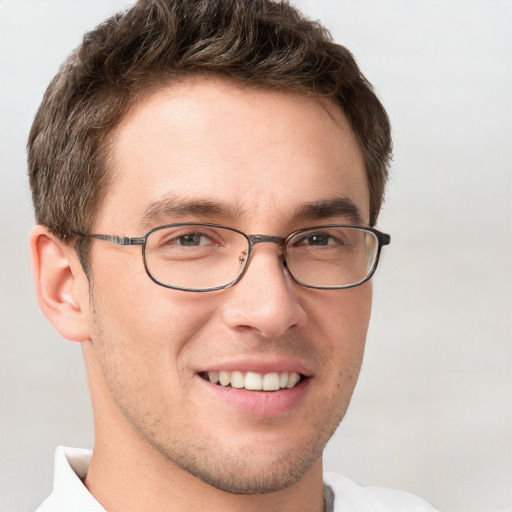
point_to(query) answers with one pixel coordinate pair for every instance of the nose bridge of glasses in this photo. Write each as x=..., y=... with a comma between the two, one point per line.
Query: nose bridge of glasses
x=259, y=239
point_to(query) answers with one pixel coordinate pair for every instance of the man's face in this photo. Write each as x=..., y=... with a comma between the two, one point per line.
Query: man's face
x=252, y=160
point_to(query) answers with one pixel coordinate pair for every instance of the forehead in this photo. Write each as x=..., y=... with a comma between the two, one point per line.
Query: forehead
x=261, y=153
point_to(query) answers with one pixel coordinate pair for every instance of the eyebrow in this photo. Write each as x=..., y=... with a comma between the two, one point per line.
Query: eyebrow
x=174, y=206
x=335, y=207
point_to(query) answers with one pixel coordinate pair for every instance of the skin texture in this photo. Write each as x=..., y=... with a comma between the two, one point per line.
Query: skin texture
x=164, y=439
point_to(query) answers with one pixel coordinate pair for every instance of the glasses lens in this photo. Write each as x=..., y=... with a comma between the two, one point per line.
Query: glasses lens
x=195, y=257
x=332, y=257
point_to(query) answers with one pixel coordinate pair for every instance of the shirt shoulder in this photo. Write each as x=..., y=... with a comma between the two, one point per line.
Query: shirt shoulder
x=69, y=493
x=352, y=497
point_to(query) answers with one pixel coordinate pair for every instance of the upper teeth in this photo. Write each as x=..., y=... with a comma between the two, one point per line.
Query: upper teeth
x=255, y=381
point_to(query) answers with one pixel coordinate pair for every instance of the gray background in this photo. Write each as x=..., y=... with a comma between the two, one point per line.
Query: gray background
x=432, y=412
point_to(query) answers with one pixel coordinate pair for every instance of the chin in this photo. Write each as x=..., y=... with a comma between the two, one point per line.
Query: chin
x=258, y=465
x=244, y=476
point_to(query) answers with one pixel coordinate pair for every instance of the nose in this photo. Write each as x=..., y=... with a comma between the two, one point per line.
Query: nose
x=265, y=299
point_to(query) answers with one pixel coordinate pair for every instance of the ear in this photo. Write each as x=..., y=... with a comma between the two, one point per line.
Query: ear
x=62, y=286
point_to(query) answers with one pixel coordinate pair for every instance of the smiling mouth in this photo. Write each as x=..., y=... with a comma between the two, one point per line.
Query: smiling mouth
x=253, y=381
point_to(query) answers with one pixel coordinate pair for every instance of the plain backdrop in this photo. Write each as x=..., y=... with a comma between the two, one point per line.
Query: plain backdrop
x=432, y=412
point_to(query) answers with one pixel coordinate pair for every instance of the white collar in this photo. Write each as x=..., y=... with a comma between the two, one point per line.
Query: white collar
x=69, y=492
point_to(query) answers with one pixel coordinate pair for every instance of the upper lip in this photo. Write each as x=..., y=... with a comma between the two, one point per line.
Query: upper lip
x=260, y=365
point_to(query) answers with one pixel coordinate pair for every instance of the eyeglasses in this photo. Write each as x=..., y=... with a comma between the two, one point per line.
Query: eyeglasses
x=199, y=257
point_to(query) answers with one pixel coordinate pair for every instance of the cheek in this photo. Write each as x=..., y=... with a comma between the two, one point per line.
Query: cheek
x=342, y=315
x=141, y=329
x=136, y=306
x=341, y=321
x=142, y=343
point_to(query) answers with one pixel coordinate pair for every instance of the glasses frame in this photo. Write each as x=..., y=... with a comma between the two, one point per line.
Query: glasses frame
x=252, y=240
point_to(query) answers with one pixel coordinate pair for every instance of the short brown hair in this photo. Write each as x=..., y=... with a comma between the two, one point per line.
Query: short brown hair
x=259, y=43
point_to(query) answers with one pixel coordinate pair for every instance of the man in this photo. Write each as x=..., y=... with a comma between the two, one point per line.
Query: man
x=245, y=156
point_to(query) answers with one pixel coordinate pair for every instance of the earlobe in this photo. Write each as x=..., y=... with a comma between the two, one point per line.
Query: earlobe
x=62, y=287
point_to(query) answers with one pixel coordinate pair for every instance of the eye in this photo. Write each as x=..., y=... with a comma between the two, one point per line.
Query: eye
x=191, y=240
x=180, y=238
x=317, y=239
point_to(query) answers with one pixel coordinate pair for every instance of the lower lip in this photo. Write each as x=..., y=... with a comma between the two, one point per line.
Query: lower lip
x=259, y=403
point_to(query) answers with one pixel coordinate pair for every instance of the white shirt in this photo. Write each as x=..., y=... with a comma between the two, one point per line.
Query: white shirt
x=70, y=494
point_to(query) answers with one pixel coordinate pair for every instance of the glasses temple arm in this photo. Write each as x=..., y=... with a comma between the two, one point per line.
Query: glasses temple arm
x=119, y=240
